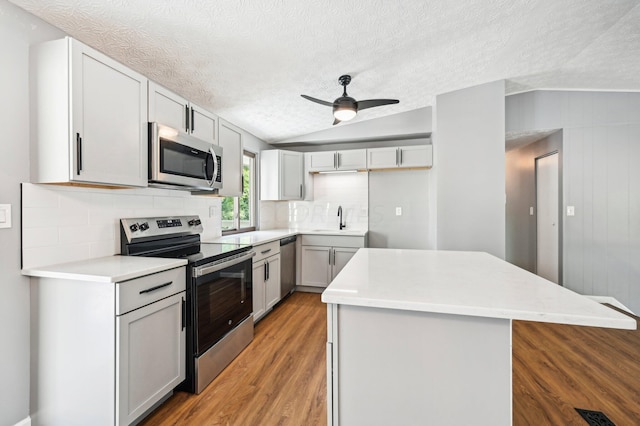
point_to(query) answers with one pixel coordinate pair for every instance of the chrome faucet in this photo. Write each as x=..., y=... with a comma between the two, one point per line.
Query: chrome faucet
x=342, y=225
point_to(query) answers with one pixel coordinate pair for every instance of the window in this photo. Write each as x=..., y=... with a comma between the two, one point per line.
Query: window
x=238, y=213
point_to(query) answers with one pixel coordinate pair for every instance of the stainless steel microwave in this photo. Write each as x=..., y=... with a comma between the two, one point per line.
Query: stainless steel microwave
x=180, y=161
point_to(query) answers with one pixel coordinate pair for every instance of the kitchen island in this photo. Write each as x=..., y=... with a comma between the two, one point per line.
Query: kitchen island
x=424, y=337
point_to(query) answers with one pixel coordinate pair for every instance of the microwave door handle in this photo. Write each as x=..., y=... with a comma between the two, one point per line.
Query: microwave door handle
x=216, y=166
x=211, y=181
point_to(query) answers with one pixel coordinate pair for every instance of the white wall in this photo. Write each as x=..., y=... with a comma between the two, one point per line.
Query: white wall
x=601, y=179
x=410, y=124
x=409, y=190
x=349, y=190
x=65, y=223
x=469, y=145
x=18, y=30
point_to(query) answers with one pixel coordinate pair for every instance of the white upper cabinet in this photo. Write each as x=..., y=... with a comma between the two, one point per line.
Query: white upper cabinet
x=89, y=117
x=170, y=109
x=281, y=175
x=230, y=138
x=352, y=159
x=202, y=124
x=417, y=156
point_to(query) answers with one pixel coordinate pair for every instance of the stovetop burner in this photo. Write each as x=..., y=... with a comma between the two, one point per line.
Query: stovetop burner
x=172, y=237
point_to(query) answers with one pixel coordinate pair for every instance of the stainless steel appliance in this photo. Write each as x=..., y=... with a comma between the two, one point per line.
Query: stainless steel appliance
x=219, y=301
x=180, y=161
x=287, y=265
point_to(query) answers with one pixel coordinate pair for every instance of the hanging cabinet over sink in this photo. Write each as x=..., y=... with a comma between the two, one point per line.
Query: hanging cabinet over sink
x=88, y=117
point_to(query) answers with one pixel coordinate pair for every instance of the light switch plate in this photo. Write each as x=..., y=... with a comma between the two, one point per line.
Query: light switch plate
x=5, y=215
x=530, y=211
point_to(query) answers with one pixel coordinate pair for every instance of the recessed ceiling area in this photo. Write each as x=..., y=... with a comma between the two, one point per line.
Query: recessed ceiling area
x=249, y=62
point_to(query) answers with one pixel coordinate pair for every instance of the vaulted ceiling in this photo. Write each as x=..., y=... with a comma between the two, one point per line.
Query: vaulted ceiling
x=249, y=61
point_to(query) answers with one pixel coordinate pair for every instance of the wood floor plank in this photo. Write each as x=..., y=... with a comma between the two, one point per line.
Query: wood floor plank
x=280, y=379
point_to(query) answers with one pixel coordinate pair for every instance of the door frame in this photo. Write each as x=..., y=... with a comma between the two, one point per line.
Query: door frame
x=560, y=213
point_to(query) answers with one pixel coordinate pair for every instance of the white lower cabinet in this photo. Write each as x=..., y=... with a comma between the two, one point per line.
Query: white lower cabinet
x=151, y=358
x=105, y=353
x=266, y=278
x=323, y=257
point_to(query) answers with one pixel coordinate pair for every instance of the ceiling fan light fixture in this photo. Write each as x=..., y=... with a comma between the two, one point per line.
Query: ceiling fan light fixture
x=344, y=113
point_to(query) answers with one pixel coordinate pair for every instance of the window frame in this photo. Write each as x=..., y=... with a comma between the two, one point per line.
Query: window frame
x=253, y=198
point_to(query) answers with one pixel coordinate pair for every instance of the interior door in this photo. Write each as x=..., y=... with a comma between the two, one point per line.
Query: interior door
x=548, y=217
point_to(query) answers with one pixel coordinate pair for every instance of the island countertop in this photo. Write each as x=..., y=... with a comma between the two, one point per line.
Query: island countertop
x=462, y=283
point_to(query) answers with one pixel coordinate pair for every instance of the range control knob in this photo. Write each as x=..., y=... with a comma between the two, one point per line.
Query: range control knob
x=133, y=227
x=192, y=222
x=144, y=226
x=198, y=221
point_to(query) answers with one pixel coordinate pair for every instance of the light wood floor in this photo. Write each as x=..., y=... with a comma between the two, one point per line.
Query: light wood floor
x=280, y=379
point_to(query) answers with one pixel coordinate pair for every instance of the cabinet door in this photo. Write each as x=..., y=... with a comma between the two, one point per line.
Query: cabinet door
x=415, y=156
x=291, y=175
x=322, y=161
x=382, y=158
x=341, y=255
x=273, y=281
x=150, y=359
x=316, y=269
x=231, y=143
x=202, y=124
x=109, y=120
x=259, y=281
x=352, y=159
x=167, y=108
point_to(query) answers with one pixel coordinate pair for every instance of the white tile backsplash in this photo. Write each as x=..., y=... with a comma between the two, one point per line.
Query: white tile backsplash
x=349, y=190
x=65, y=223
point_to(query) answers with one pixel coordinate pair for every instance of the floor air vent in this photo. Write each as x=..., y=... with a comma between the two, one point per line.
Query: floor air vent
x=595, y=418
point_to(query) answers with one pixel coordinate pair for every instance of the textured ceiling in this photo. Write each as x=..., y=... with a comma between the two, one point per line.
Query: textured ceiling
x=249, y=61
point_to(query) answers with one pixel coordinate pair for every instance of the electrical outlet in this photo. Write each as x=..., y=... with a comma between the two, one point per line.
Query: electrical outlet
x=571, y=211
x=5, y=215
x=398, y=211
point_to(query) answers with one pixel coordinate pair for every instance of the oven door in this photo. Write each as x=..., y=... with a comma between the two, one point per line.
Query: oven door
x=179, y=159
x=222, y=299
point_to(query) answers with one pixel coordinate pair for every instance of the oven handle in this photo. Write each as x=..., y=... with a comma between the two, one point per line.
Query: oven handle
x=204, y=270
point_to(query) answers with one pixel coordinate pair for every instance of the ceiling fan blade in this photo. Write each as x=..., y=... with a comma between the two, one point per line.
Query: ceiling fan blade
x=318, y=101
x=336, y=121
x=370, y=103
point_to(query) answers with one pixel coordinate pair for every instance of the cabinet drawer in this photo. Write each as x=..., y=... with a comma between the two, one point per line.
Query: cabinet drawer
x=266, y=250
x=141, y=291
x=333, y=240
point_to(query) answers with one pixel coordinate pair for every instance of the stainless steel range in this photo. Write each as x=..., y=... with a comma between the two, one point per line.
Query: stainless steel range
x=219, y=290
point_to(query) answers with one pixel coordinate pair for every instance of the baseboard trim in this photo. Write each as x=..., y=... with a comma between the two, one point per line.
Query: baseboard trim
x=613, y=302
x=24, y=422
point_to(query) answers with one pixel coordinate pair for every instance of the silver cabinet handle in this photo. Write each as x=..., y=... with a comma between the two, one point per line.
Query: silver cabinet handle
x=265, y=251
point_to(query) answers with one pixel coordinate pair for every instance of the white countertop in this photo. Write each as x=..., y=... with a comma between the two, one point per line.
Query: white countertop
x=462, y=283
x=267, y=236
x=109, y=269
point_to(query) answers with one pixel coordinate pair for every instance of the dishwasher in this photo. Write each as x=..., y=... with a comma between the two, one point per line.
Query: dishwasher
x=287, y=265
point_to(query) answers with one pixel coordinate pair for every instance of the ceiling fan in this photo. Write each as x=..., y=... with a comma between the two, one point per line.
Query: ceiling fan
x=345, y=107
